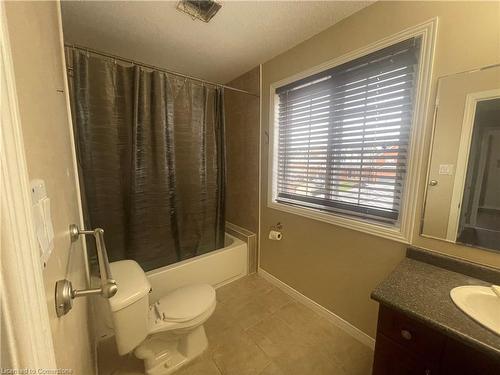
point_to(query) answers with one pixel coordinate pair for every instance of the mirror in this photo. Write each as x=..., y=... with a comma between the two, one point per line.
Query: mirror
x=462, y=202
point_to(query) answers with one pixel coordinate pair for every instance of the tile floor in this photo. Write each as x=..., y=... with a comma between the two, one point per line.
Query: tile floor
x=258, y=329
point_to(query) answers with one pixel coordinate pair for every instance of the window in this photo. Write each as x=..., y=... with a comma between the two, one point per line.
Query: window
x=341, y=138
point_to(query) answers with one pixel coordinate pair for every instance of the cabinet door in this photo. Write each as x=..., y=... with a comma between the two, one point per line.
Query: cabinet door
x=393, y=359
x=460, y=359
x=414, y=336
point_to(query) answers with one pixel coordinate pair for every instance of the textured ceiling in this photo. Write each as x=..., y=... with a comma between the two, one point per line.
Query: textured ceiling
x=242, y=35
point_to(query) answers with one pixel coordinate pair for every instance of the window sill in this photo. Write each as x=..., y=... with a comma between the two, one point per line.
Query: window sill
x=380, y=230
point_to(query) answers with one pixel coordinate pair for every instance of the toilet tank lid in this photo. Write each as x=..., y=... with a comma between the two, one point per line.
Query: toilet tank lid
x=131, y=282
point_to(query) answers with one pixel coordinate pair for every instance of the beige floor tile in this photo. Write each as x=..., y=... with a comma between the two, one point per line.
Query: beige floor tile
x=328, y=339
x=243, y=290
x=220, y=321
x=275, y=299
x=204, y=365
x=359, y=362
x=290, y=351
x=309, y=362
x=237, y=287
x=239, y=355
x=221, y=328
x=272, y=369
x=248, y=313
x=249, y=301
x=259, y=284
x=310, y=325
x=230, y=291
x=276, y=338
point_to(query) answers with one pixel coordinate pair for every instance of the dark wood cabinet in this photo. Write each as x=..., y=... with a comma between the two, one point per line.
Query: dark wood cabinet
x=393, y=359
x=405, y=346
x=459, y=359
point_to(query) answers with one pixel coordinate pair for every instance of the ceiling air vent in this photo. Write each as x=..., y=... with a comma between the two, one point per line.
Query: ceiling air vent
x=199, y=9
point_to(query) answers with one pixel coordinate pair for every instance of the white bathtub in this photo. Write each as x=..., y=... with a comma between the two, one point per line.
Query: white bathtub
x=216, y=268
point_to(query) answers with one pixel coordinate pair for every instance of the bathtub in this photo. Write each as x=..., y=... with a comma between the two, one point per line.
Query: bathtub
x=216, y=268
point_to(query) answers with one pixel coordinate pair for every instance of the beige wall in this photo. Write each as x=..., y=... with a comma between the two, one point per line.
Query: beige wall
x=338, y=267
x=242, y=149
x=35, y=41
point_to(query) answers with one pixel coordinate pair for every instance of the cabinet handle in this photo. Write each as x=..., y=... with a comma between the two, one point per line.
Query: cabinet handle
x=406, y=335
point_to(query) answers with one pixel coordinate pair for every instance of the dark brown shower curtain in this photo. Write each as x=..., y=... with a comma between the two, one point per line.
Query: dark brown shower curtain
x=151, y=155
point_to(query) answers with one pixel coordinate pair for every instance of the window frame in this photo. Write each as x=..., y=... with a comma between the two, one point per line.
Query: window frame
x=427, y=31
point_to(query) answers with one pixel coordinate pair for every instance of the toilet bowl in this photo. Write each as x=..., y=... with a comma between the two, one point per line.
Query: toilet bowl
x=166, y=334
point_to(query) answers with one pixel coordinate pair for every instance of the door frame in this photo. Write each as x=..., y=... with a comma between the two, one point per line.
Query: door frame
x=463, y=158
x=27, y=337
x=483, y=160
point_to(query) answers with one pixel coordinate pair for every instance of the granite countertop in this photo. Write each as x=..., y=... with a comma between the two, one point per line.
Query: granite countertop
x=421, y=290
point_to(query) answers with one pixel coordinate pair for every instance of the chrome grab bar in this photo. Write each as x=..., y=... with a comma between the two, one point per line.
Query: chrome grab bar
x=64, y=289
x=108, y=284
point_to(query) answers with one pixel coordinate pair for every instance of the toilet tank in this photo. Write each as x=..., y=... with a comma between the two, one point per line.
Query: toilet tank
x=130, y=305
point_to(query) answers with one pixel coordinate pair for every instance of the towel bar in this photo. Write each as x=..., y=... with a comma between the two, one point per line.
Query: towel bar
x=64, y=293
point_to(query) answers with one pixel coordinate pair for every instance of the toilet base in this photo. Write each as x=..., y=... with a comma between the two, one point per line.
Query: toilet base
x=164, y=353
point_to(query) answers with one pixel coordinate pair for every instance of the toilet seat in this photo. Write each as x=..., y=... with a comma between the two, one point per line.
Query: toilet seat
x=184, y=307
x=185, y=303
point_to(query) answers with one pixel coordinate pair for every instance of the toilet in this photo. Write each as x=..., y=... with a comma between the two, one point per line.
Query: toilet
x=166, y=334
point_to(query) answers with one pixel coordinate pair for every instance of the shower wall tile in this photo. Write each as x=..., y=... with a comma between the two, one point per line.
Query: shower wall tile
x=242, y=148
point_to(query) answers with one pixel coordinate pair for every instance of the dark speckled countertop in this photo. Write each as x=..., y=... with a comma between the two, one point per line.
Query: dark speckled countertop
x=420, y=288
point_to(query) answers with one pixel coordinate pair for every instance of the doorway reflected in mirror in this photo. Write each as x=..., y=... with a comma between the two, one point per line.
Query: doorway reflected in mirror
x=480, y=213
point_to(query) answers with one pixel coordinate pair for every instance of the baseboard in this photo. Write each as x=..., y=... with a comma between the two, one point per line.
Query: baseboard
x=229, y=281
x=324, y=312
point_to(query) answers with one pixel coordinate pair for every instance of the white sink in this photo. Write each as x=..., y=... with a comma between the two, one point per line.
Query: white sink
x=480, y=303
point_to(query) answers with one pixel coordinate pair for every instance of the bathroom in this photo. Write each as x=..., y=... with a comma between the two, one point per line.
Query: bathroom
x=250, y=187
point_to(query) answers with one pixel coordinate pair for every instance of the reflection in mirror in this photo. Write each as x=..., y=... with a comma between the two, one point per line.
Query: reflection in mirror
x=480, y=209
x=462, y=202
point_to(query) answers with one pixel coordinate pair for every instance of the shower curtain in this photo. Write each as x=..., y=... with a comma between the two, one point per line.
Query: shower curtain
x=150, y=148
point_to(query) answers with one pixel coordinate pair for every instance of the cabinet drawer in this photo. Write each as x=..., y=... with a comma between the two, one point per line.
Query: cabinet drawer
x=411, y=334
x=393, y=359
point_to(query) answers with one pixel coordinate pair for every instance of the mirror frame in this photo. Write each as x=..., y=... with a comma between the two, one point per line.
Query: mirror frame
x=463, y=156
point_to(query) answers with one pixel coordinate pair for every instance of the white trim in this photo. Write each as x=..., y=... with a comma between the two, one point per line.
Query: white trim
x=72, y=143
x=91, y=301
x=463, y=157
x=24, y=304
x=260, y=232
x=428, y=32
x=321, y=310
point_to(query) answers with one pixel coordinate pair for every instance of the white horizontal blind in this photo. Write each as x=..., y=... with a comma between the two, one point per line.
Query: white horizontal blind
x=343, y=134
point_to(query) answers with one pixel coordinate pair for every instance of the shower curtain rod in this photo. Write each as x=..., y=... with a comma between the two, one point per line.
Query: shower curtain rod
x=130, y=61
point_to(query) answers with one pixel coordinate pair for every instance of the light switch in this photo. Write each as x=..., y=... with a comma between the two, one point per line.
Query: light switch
x=42, y=220
x=446, y=169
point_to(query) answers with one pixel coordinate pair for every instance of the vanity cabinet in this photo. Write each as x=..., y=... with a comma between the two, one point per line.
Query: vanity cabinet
x=405, y=346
